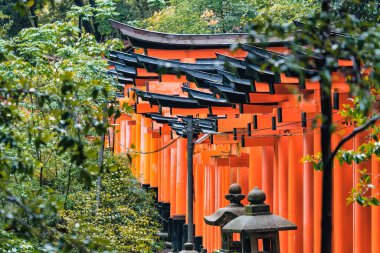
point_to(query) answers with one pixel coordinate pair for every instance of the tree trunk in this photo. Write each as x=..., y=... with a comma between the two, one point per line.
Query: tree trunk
x=33, y=16
x=96, y=33
x=326, y=108
x=101, y=158
x=85, y=23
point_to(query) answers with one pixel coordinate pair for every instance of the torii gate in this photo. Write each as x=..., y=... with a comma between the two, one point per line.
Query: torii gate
x=261, y=125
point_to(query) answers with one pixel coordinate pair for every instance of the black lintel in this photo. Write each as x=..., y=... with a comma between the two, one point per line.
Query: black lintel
x=200, y=77
x=206, y=99
x=126, y=71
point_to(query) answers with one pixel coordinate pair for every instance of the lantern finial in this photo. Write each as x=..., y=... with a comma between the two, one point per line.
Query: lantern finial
x=235, y=195
x=256, y=196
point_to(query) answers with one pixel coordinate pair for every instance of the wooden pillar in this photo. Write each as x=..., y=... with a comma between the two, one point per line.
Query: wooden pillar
x=128, y=135
x=135, y=159
x=173, y=180
x=295, y=198
x=159, y=169
x=206, y=206
x=212, y=205
x=122, y=136
x=243, y=181
x=317, y=196
x=137, y=134
x=362, y=216
x=267, y=173
x=308, y=187
x=162, y=170
x=218, y=201
x=153, y=163
x=166, y=169
x=276, y=191
x=255, y=167
x=146, y=157
x=181, y=177
x=199, y=198
x=143, y=147
x=283, y=150
x=375, y=212
x=342, y=213
x=117, y=136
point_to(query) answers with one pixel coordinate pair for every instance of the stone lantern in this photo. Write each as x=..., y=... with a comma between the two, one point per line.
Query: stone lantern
x=224, y=215
x=259, y=224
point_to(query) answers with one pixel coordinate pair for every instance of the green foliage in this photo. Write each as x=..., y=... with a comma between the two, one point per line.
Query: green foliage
x=364, y=10
x=125, y=221
x=361, y=194
x=53, y=85
x=362, y=154
x=207, y=16
x=204, y=16
x=285, y=11
x=5, y=24
x=167, y=20
x=315, y=160
x=10, y=243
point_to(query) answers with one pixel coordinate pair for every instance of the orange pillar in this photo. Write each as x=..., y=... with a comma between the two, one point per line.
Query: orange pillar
x=181, y=177
x=317, y=196
x=117, y=136
x=362, y=216
x=375, y=212
x=295, y=188
x=267, y=173
x=206, y=234
x=342, y=185
x=276, y=206
x=128, y=135
x=135, y=168
x=159, y=169
x=122, y=136
x=218, y=201
x=199, y=198
x=166, y=168
x=283, y=149
x=154, y=163
x=243, y=181
x=212, y=205
x=255, y=167
x=143, y=147
x=173, y=180
x=146, y=157
x=137, y=133
x=308, y=203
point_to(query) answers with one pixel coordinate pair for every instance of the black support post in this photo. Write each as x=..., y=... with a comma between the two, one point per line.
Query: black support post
x=190, y=190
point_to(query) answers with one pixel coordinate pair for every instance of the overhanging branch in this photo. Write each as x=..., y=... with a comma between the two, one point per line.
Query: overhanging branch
x=353, y=133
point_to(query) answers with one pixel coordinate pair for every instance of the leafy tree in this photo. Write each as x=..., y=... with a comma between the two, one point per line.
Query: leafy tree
x=364, y=10
x=53, y=88
x=125, y=221
x=203, y=16
x=208, y=16
x=95, y=13
x=285, y=11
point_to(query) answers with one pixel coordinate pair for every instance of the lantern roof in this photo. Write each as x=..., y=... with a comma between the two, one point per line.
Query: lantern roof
x=223, y=215
x=257, y=218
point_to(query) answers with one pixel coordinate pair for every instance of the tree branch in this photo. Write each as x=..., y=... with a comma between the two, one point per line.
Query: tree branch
x=353, y=133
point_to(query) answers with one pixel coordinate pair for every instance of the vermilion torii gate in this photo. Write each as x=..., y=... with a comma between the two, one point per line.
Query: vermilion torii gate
x=260, y=124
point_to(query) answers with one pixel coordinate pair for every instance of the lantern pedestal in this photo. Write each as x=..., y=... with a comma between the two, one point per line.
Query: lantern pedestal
x=259, y=224
x=224, y=215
